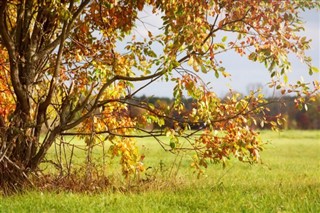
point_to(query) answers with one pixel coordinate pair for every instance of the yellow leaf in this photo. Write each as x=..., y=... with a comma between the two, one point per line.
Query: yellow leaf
x=78, y=57
x=190, y=62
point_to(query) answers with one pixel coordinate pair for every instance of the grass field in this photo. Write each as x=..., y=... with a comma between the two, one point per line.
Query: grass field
x=287, y=181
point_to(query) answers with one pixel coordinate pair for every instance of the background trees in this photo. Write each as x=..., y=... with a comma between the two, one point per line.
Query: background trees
x=61, y=70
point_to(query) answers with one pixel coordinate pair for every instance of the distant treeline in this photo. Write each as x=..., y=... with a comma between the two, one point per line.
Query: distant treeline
x=306, y=118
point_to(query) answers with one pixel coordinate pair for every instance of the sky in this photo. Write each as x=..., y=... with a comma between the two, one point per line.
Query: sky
x=245, y=74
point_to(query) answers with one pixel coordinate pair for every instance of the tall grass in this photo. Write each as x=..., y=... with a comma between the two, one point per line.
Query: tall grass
x=288, y=180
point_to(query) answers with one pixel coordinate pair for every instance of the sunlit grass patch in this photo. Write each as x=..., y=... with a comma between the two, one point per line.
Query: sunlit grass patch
x=286, y=181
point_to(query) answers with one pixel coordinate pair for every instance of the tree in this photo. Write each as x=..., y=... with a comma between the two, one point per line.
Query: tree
x=60, y=69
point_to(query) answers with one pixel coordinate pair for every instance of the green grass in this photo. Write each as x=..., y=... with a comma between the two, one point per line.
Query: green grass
x=287, y=181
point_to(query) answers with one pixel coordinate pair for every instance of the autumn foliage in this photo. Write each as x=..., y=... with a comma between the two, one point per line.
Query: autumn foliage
x=64, y=72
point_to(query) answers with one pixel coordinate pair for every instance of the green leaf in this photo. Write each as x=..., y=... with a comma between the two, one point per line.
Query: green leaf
x=172, y=144
x=313, y=70
x=273, y=64
x=285, y=79
x=224, y=38
x=252, y=56
x=152, y=54
x=203, y=69
x=179, y=12
x=221, y=45
x=216, y=74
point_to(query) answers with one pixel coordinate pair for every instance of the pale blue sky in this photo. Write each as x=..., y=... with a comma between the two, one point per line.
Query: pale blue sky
x=244, y=72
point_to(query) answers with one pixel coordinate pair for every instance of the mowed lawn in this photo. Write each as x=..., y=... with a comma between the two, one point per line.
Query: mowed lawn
x=287, y=181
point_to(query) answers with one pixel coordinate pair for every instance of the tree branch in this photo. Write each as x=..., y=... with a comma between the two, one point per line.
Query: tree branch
x=4, y=30
x=50, y=47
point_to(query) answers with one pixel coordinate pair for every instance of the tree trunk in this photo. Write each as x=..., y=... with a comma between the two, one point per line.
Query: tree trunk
x=12, y=177
x=17, y=148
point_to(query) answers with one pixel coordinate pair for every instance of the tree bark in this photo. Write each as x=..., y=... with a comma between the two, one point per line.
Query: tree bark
x=12, y=177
